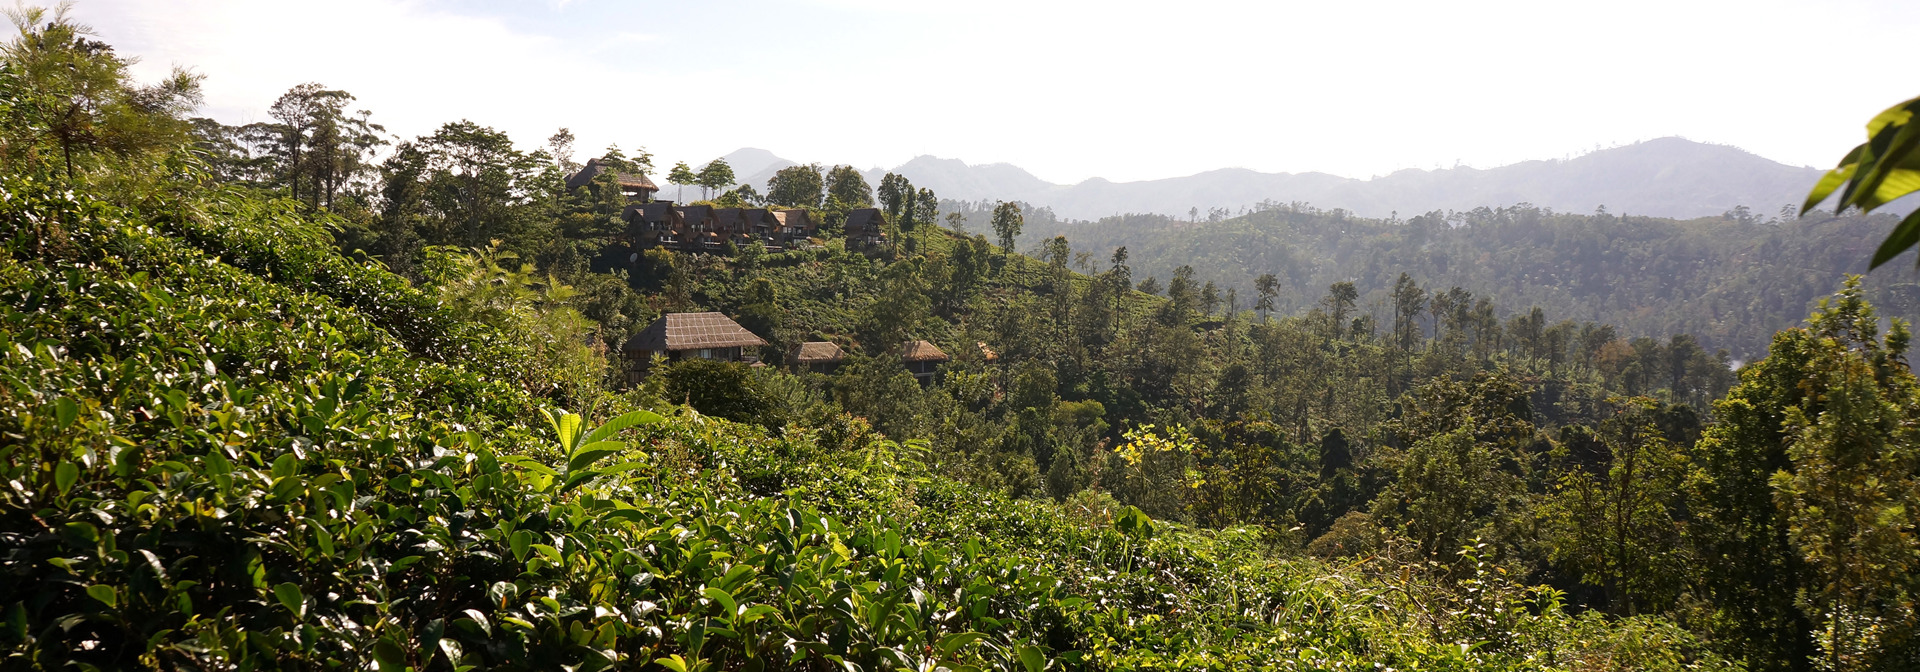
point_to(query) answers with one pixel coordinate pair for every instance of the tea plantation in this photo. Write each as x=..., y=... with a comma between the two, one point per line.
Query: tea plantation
x=225, y=446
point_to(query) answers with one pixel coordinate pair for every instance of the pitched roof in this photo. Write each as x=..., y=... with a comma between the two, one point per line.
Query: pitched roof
x=692, y=331
x=921, y=351
x=729, y=218
x=819, y=351
x=594, y=168
x=863, y=218
x=657, y=212
x=695, y=211
x=795, y=217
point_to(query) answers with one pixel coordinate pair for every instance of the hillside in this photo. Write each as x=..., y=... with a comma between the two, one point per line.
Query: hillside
x=1729, y=282
x=232, y=446
x=272, y=397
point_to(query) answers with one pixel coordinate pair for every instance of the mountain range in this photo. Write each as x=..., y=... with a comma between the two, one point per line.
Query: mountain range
x=1666, y=177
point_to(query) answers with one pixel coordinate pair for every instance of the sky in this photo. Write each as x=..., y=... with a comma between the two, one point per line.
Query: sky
x=1067, y=90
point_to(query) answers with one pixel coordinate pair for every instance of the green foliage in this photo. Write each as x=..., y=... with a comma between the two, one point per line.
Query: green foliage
x=1007, y=222
x=796, y=187
x=1728, y=282
x=73, y=108
x=720, y=389
x=228, y=445
x=849, y=188
x=1878, y=171
x=714, y=176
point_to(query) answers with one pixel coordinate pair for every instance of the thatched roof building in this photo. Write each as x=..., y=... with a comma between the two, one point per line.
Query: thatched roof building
x=923, y=360
x=634, y=185
x=866, y=228
x=681, y=335
x=812, y=352
x=818, y=355
x=921, y=351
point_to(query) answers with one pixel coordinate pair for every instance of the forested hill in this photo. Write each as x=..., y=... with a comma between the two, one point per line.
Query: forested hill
x=1729, y=280
x=1666, y=177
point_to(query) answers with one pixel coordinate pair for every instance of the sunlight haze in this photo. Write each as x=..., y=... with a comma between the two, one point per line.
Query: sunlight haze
x=1069, y=91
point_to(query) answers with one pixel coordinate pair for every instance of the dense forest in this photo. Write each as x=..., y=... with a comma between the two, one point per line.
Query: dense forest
x=1730, y=281
x=301, y=395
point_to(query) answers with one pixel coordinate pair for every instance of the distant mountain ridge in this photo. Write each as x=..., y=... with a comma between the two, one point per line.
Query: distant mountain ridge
x=1666, y=177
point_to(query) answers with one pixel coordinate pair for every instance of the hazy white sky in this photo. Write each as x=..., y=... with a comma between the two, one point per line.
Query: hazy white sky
x=1068, y=90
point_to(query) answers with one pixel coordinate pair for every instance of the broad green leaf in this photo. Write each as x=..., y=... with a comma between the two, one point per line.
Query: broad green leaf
x=323, y=539
x=520, y=540
x=480, y=619
x=1831, y=181
x=577, y=479
x=389, y=656
x=1033, y=658
x=951, y=644
x=591, y=453
x=724, y=598
x=291, y=598
x=64, y=412
x=1893, y=116
x=65, y=475
x=105, y=594
x=1134, y=523
x=614, y=426
x=1905, y=235
x=566, y=427
x=674, y=662
x=15, y=625
x=1897, y=183
x=529, y=463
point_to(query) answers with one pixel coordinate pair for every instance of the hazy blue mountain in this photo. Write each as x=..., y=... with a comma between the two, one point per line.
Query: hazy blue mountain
x=750, y=165
x=1667, y=177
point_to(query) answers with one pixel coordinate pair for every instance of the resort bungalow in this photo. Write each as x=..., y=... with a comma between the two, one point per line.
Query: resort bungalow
x=677, y=336
x=702, y=229
x=635, y=186
x=795, y=229
x=656, y=224
x=923, y=360
x=818, y=356
x=866, y=228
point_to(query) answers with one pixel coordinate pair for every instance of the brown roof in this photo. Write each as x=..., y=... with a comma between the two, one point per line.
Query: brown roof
x=921, y=351
x=692, y=331
x=819, y=351
x=657, y=212
x=594, y=168
x=729, y=219
x=797, y=218
x=696, y=215
x=863, y=218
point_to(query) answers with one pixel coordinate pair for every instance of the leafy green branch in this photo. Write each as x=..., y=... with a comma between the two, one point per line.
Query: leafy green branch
x=1884, y=168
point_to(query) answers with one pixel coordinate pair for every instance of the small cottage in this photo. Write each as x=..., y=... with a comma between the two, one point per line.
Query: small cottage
x=796, y=228
x=656, y=224
x=866, y=228
x=923, y=360
x=703, y=229
x=635, y=186
x=818, y=356
x=678, y=336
